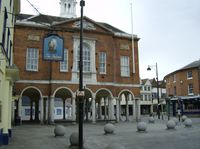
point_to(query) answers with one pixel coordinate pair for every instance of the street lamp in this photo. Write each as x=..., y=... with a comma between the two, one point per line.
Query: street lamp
x=81, y=90
x=158, y=106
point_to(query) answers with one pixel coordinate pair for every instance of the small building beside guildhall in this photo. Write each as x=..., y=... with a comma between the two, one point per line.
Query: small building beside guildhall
x=8, y=70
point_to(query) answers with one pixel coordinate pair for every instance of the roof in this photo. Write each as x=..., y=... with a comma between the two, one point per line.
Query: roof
x=143, y=81
x=161, y=84
x=47, y=20
x=114, y=29
x=41, y=18
x=195, y=64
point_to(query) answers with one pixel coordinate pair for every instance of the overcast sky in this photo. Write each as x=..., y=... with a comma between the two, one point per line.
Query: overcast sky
x=169, y=30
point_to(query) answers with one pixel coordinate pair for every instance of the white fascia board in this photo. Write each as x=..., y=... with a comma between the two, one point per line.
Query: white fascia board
x=70, y=82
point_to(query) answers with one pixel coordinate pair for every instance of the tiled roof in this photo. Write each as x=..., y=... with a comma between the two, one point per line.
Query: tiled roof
x=143, y=81
x=114, y=29
x=192, y=65
x=195, y=64
x=41, y=18
x=47, y=19
x=161, y=84
x=23, y=16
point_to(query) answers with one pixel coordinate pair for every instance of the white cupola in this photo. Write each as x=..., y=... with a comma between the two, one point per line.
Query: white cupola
x=68, y=8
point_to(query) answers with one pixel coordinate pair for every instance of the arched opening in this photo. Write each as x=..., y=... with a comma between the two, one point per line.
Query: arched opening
x=63, y=104
x=104, y=105
x=126, y=105
x=88, y=105
x=31, y=105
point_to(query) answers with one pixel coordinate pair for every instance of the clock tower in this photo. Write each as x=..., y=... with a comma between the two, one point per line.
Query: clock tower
x=68, y=8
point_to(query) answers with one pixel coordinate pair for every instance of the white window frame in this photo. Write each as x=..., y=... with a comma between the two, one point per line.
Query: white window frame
x=86, y=58
x=64, y=63
x=174, y=78
x=102, y=62
x=125, y=66
x=189, y=75
x=190, y=89
x=32, y=59
x=146, y=97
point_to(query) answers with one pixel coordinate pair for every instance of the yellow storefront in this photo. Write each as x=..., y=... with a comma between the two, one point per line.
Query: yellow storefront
x=8, y=71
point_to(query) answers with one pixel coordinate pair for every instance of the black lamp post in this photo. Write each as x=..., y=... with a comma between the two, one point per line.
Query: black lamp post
x=81, y=90
x=158, y=106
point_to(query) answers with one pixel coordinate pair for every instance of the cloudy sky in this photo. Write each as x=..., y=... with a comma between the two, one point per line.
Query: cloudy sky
x=169, y=30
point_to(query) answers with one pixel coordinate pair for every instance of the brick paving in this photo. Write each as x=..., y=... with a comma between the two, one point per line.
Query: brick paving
x=156, y=136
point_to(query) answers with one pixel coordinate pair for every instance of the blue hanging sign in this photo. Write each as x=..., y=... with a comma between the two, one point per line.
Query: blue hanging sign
x=53, y=48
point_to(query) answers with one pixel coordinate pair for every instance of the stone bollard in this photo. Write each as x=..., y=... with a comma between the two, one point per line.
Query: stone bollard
x=151, y=119
x=141, y=126
x=171, y=124
x=109, y=128
x=184, y=117
x=175, y=120
x=59, y=130
x=74, y=139
x=188, y=122
x=115, y=146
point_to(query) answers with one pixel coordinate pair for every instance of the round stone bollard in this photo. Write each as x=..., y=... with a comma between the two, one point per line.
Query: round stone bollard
x=59, y=130
x=184, y=117
x=188, y=122
x=141, y=126
x=175, y=120
x=115, y=146
x=151, y=119
x=171, y=124
x=74, y=139
x=109, y=128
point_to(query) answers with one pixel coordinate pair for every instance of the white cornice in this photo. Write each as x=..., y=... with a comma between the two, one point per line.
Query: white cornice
x=32, y=24
x=70, y=82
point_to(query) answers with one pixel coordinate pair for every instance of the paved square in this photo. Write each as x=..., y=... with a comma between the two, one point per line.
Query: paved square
x=156, y=137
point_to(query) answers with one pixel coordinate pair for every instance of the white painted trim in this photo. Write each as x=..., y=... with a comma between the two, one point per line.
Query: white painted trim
x=70, y=82
x=31, y=87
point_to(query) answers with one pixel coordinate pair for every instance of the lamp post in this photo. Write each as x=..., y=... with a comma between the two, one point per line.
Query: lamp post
x=158, y=106
x=81, y=90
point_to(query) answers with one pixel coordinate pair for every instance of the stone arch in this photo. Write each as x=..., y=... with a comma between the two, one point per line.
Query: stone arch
x=103, y=90
x=30, y=104
x=63, y=97
x=69, y=91
x=104, y=104
x=126, y=91
x=126, y=100
x=90, y=91
x=89, y=97
x=33, y=88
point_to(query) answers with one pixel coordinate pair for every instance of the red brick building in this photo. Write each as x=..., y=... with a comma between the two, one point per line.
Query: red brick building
x=111, y=70
x=183, y=85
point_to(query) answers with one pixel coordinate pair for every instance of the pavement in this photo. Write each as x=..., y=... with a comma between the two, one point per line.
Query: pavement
x=126, y=134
